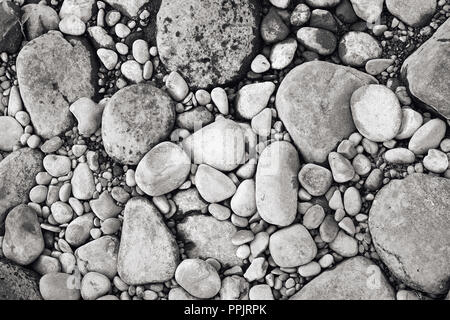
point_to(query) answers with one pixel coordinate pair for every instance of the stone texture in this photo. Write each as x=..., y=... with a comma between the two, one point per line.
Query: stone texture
x=48, y=86
x=409, y=224
x=134, y=120
x=17, y=283
x=427, y=73
x=11, y=35
x=415, y=13
x=354, y=279
x=313, y=101
x=210, y=42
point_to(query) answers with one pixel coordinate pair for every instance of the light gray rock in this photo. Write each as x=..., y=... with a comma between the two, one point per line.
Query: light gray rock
x=354, y=279
x=148, y=251
x=10, y=133
x=313, y=101
x=82, y=182
x=428, y=136
x=252, y=98
x=415, y=13
x=356, y=48
x=409, y=224
x=368, y=10
x=38, y=19
x=213, y=185
x=59, y=286
x=130, y=8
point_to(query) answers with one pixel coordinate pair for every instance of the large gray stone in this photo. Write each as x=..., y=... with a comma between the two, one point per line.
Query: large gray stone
x=207, y=237
x=53, y=73
x=17, y=176
x=17, y=283
x=135, y=119
x=313, y=102
x=409, y=222
x=427, y=72
x=357, y=278
x=148, y=251
x=415, y=13
x=210, y=42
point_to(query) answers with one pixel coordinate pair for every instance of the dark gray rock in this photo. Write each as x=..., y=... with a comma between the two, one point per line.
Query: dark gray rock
x=18, y=283
x=10, y=29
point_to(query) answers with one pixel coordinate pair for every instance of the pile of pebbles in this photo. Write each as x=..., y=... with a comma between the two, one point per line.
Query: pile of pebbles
x=276, y=149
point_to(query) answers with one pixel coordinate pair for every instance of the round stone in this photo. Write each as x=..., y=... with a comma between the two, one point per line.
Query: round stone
x=59, y=286
x=198, y=277
x=356, y=48
x=10, y=133
x=129, y=133
x=163, y=169
x=61, y=212
x=376, y=112
x=94, y=285
x=57, y=166
x=210, y=42
x=315, y=179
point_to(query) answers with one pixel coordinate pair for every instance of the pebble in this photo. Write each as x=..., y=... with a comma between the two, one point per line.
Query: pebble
x=262, y=122
x=198, y=278
x=132, y=71
x=344, y=245
x=121, y=30
x=310, y=269
x=253, y=98
x=52, y=145
x=356, y=48
x=219, y=212
x=436, y=161
x=61, y=212
x=341, y=167
x=72, y=25
x=15, y=103
x=377, y=66
x=38, y=194
x=10, y=133
x=368, y=10
x=301, y=15
x=243, y=202
x=163, y=169
x=82, y=181
x=315, y=179
x=82, y=9
x=260, y=292
x=329, y=228
x=313, y=217
x=282, y=54
x=260, y=64
x=256, y=270
x=77, y=232
x=141, y=51
x=147, y=73
x=259, y=243
x=273, y=29
x=59, y=286
x=45, y=264
x=206, y=177
x=361, y=164
x=352, y=201
x=376, y=112
x=321, y=41
x=220, y=99
x=428, y=136
x=415, y=13
x=400, y=156
x=57, y=166
x=105, y=207
x=411, y=121
x=108, y=57
x=88, y=115
x=94, y=285
x=101, y=39
x=176, y=86
x=292, y=246
x=347, y=225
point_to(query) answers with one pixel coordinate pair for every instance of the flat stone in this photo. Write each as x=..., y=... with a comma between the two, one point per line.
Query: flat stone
x=206, y=177
x=436, y=161
x=148, y=251
x=409, y=224
x=189, y=200
x=354, y=279
x=292, y=246
x=207, y=237
x=341, y=167
x=356, y=48
x=129, y=133
x=77, y=232
x=313, y=102
x=321, y=41
x=130, y=8
x=282, y=53
x=57, y=166
x=428, y=136
x=49, y=86
x=243, y=202
x=94, y=285
x=427, y=72
x=322, y=3
x=10, y=133
x=313, y=217
x=400, y=156
x=368, y=10
x=46, y=264
x=17, y=176
x=59, y=286
x=377, y=66
x=411, y=121
x=105, y=207
x=220, y=145
x=261, y=292
x=198, y=277
x=252, y=98
x=82, y=182
x=234, y=288
x=376, y=112
x=273, y=29
x=315, y=179
x=163, y=169
x=323, y=19
x=277, y=183
x=38, y=19
x=415, y=13
x=88, y=115
x=17, y=283
x=195, y=119
x=209, y=42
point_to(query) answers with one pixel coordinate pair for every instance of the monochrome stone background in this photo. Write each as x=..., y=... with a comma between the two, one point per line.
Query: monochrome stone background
x=224, y=149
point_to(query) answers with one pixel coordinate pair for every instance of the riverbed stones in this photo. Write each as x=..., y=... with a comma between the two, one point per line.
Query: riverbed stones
x=23, y=241
x=48, y=86
x=17, y=176
x=277, y=184
x=354, y=279
x=400, y=220
x=376, y=112
x=415, y=13
x=129, y=133
x=428, y=136
x=38, y=19
x=130, y=8
x=315, y=179
x=17, y=283
x=206, y=177
x=318, y=40
x=82, y=182
x=11, y=33
x=243, y=202
x=368, y=10
x=163, y=169
x=220, y=145
x=148, y=251
x=411, y=121
x=426, y=71
x=206, y=237
x=341, y=167
x=210, y=42
x=56, y=165
x=356, y=48
x=59, y=286
x=198, y=277
x=252, y=98
x=313, y=101
x=292, y=246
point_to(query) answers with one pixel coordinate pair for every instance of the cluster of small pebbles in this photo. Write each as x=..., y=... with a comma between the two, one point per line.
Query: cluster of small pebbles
x=260, y=150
